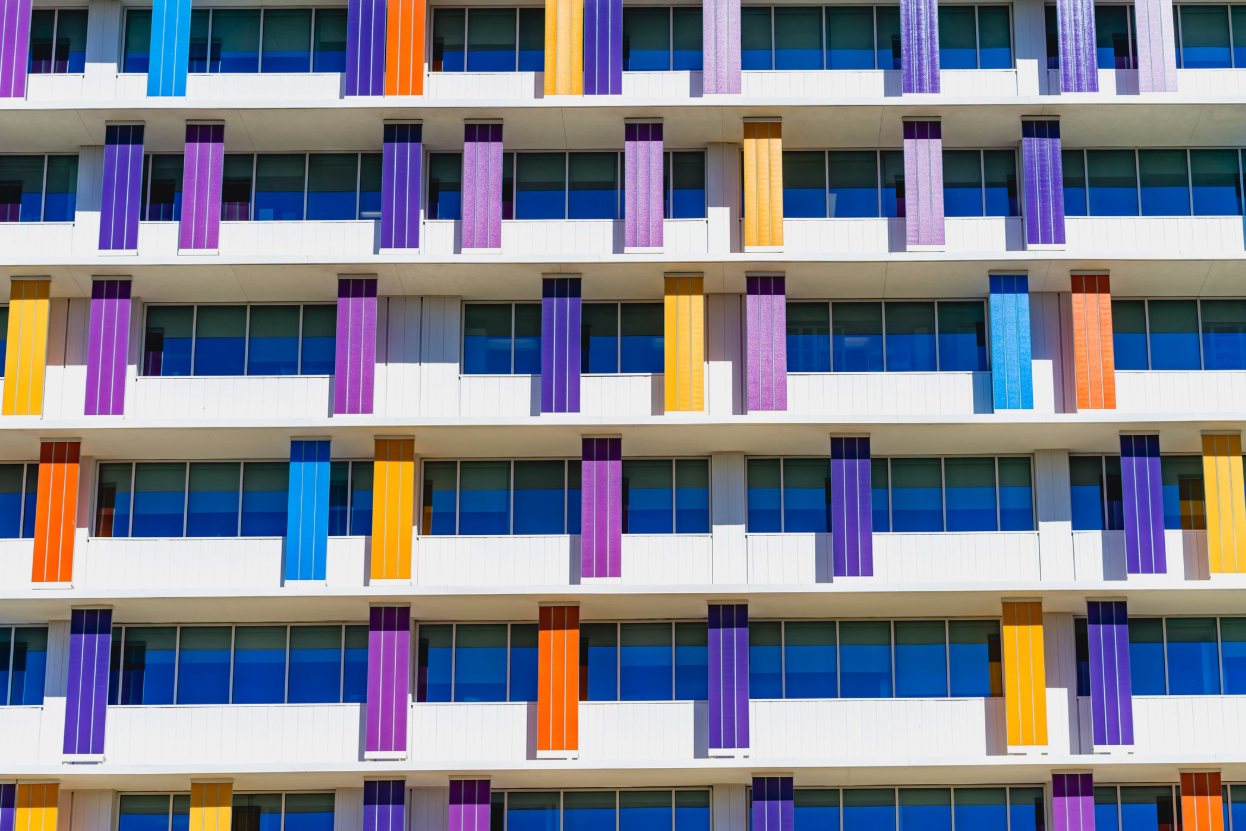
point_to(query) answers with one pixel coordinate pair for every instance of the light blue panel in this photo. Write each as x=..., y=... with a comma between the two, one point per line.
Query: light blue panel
x=1011, y=371
x=307, y=525
x=170, y=48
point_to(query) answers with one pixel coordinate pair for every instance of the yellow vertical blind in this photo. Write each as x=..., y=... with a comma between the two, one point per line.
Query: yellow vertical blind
x=36, y=807
x=763, y=184
x=564, y=47
x=1225, y=503
x=1025, y=675
x=211, y=806
x=685, y=343
x=27, y=348
x=393, y=508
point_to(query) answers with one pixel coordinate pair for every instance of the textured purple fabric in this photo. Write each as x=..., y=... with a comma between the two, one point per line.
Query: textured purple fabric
x=919, y=45
x=108, y=347
x=400, y=186
x=355, y=365
x=601, y=507
x=1144, y=506
x=200, y=227
x=1157, y=50
x=852, y=526
x=642, y=179
x=384, y=805
x=772, y=804
x=720, y=30
x=728, y=665
x=469, y=805
x=1111, y=696
x=123, y=178
x=765, y=332
x=1044, y=182
x=365, y=47
x=1079, y=71
x=14, y=49
x=923, y=182
x=482, y=186
x=8, y=807
x=389, y=670
x=1072, y=802
x=86, y=702
x=560, y=345
x=603, y=47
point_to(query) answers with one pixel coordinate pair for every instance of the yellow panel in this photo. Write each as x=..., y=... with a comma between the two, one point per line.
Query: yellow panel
x=211, y=806
x=763, y=184
x=1025, y=676
x=28, y=347
x=564, y=47
x=685, y=344
x=393, y=508
x=1226, y=503
x=36, y=807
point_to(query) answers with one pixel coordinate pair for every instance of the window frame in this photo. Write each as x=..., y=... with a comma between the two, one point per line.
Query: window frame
x=454, y=640
x=619, y=191
x=358, y=154
x=350, y=496
x=43, y=194
x=674, y=460
x=1200, y=333
x=943, y=491
x=1189, y=167
x=670, y=21
x=502, y=798
x=21, y=519
x=1179, y=32
x=668, y=172
x=618, y=338
x=463, y=373
x=56, y=23
x=6, y=693
x=510, y=494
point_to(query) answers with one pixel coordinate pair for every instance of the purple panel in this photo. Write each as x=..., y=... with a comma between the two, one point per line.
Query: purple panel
x=1144, y=506
x=200, y=226
x=108, y=345
x=8, y=807
x=1044, y=182
x=560, y=345
x=720, y=28
x=603, y=47
x=772, y=804
x=355, y=365
x=923, y=182
x=919, y=45
x=123, y=178
x=400, y=186
x=365, y=47
x=482, y=186
x=765, y=324
x=1157, y=51
x=14, y=48
x=1072, y=802
x=1079, y=71
x=852, y=525
x=86, y=702
x=469, y=805
x=1111, y=696
x=728, y=666
x=642, y=172
x=601, y=507
x=385, y=805
x=389, y=670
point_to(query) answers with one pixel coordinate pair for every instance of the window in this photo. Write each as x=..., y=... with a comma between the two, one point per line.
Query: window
x=875, y=659
x=1211, y=37
x=19, y=492
x=1134, y=808
x=488, y=40
x=38, y=188
x=240, y=340
x=965, y=493
x=681, y=810
x=975, y=37
x=58, y=41
x=23, y=664
x=658, y=39
x=683, y=182
x=294, y=186
x=530, y=496
x=161, y=188
x=1098, y=502
x=1152, y=182
x=502, y=339
x=657, y=661
x=350, y=498
x=1179, y=334
x=196, y=499
x=320, y=664
x=622, y=338
x=875, y=809
x=789, y=496
x=476, y=662
x=445, y=185
x=1180, y=656
x=664, y=496
x=251, y=812
x=835, y=37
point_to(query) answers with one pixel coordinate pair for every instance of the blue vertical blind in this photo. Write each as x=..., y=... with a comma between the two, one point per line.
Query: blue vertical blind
x=495, y=497
x=656, y=661
x=1153, y=182
x=19, y=495
x=214, y=340
x=23, y=664
x=476, y=662
x=502, y=339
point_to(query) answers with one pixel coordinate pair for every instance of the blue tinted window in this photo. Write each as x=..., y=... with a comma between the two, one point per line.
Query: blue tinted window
x=962, y=336
x=1224, y=334
x=1182, y=493
x=235, y=40
x=1147, y=808
x=1027, y=811
x=220, y=340
x=958, y=40
x=30, y=665
x=527, y=339
x=1113, y=180
x=648, y=498
x=1081, y=654
x=541, y=187
x=540, y=497
x=1115, y=38
x=445, y=178
x=355, y=666
x=203, y=665
x=642, y=337
x=864, y=659
x=361, y=498
x=491, y=40
x=1129, y=340
x=808, y=337
x=449, y=40
x=12, y=486
x=1215, y=181
x=1073, y=165
x=147, y=669
x=910, y=337
x=970, y=494
x=692, y=661
x=643, y=810
x=162, y=188
x=646, y=39
x=57, y=41
x=1193, y=656
x=974, y=658
x=764, y=498
x=869, y=810
x=484, y=498
x=1086, y=492
x=687, y=29
x=575, y=494
x=315, y=664
x=167, y=339
x=279, y=180
x=532, y=811
x=588, y=811
x=850, y=37
x=852, y=175
x=29, y=509
x=921, y=659
x=692, y=496
x=329, y=45
x=645, y=662
x=319, y=340
x=804, y=181
x=806, y=496
x=265, y=498
x=332, y=183
x=257, y=811
x=797, y=37
x=887, y=40
x=981, y=809
x=999, y=171
x=1174, y=334
x=880, y=507
x=371, y=171
x=287, y=40
x=994, y=38
x=593, y=190
x=1165, y=180
x=159, y=499
x=925, y=809
x=143, y=812
x=212, y=506
x=809, y=659
x=1107, y=812
x=599, y=338
x=765, y=659
x=137, y=40
x=259, y=664
x=916, y=495
x=1233, y=654
x=814, y=809
x=857, y=337
x=532, y=40
x=273, y=347
x=755, y=38
x=21, y=196
x=309, y=812
x=487, y=338
x=440, y=503
x=962, y=169
x=1146, y=656
x=480, y=662
x=61, y=199
x=1204, y=33
x=434, y=660
x=524, y=661
x=684, y=179
x=599, y=661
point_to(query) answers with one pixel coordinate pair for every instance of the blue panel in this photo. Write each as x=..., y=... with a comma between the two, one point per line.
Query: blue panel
x=1010, y=342
x=170, y=48
x=307, y=513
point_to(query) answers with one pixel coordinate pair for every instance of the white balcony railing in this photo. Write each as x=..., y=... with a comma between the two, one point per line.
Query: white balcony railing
x=1173, y=392
x=1100, y=555
x=892, y=393
x=232, y=396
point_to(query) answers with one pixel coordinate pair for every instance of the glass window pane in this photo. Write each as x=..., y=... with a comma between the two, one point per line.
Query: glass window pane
x=1112, y=37
x=1073, y=164
x=1182, y=491
x=1113, y=180
x=12, y=487
x=692, y=496
x=1165, y=182
x=1174, y=334
x=1000, y=171
x=1027, y=811
x=259, y=664
x=974, y=658
x=764, y=482
x=994, y=40
x=809, y=659
x=962, y=169
x=449, y=31
x=815, y=808
x=1147, y=807
x=71, y=40
x=869, y=810
x=143, y=812
x=644, y=810
x=526, y=811
x=646, y=39
x=1233, y=657
x=755, y=38
x=309, y=812
x=910, y=337
x=599, y=661
x=893, y=178
x=1204, y=37
x=925, y=809
x=599, y=337
x=962, y=336
x=1146, y=656
x=1107, y=816
x=319, y=339
x=687, y=26
x=525, y=648
x=434, y=661
x=329, y=46
x=887, y=23
x=588, y=811
x=797, y=37
x=236, y=187
x=273, y=347
x=921, y=659
x=445, y=182
x=1086, y=488
x=684, y=183
x=159, y=499
x=147, y=665
x=265, y=498
x=315, y=664
x=355, y=666
x=645, y=655
x=527, y=339
x=958, y=45
x=970, y=494
x=203, y=665
x=1217, y=187
x=287, y=40
x=162, y=188
x=361, y=474
x=1016, y=495
x=200, y=23
x=220, y=340
x=575, y=494
x=487, y=339
x=864, y=659
x=532, y=40
x=1193, y=659
x=849, y=37
x=857, y=337
x=642, y=328
x=879, y=493
x=916, y=495
x=765, y=659
x=806, y=496
x=540, y=497
x=279, y=182
x=332, y=184
x=648, y=498
x=808, y=337
x=480, y=662
x=541, y=186
x=692, y=661
x=21, y=188
x=112, y=504
x=30, y=665
x=29, y=510
x=236, y=40
x=484, y=498
x=804, y=183
x=137, y=40
x=852, y=175
x=440, y=498
x=1129, y=341
x=594, y=188
x=212, y=508
x=1237, y=15
x=491, y=40
x=61, y=200
x=257, y=812
x=370, y=172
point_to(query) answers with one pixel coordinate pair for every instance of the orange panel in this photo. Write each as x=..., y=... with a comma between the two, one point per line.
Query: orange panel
x=558, y=701
x=1025, y=677
x=1202, y=807
x=1093, y=358
x=404, y=48
x=56, y=511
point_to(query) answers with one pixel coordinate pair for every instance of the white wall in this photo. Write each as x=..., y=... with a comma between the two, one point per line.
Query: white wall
x=91, y=811
x=430, y=809
x=1054, y=514
x=1048, y=350
x=668, y=559
x=622, y=396
x=500, y=396
x=440, y=342
x=65, y=378
x=989, y=556
x=1189, y=724
x=515, y=560
x=399, y=336
x=17, y=563
x=802, y=559
x=728, y=517
x=724, y=340
x=1060, y=666
x=1196, y=237
x=348, y=809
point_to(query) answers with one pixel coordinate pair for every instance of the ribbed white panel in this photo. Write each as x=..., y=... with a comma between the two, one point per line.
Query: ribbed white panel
x=889, y=393
x=1189, y=724
x=194, y=563
x=399, y=323
x=643, y=730
x=348, y=809
x=64, y=380
x=668, y=559
x=728, y=517
x=430, y=809
x=504, y=733
x=500, y=396
x=265, y=397
x=1164, y=392
x=623, y=395
x=1100, y=555
x=497, y=561
x=440, y=340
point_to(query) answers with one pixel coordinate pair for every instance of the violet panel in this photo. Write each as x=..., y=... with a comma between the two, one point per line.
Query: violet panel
x=601, y=509
x=108, y=342
x=1143, y=503
x=122, y=185
x=86, y=700
x=14, y=49
x=384, y=805
x=1043, y=177
x=482, y=186
x=400, y=186
x=560, y=345
x=365, y=47
x=469, y=804
x=919, y=45
x=1111, y=696
x=1072, y=802
x=923, y=183
x=389, y=649
x=1079, y=71
x=200, y=226
x=355, y=360
x=720, y=29
x=852, y=535
x=766, y=342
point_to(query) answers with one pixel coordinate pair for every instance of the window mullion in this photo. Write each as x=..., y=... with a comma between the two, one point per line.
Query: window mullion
x=185, y=498
x=233, y=652
x=241, y=479
x=286, y=694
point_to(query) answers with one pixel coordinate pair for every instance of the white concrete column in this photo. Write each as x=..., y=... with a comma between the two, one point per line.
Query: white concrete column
x=1050, y=354
x=725, y=354
x=1059, y=653
x=86, y=239
x=399, y=331
x=1055, y=515
x=722, y=175
x=430, y=809
x=728, y=512
x=91, y=810
x=730, y=808
x=1030, y=24
x=105, y=23
x=440, y=342
x=348, y=809
x=56, y=685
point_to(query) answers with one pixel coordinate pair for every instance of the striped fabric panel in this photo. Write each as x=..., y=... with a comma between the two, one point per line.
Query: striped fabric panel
x=365, y=47
x=469, y=805
x=852, y=543
x=642, y=185
x=27, y=354
x=56, y=511
x=1093, y=357
x=482, y=186
x=1011, y=355
x=404, y=48
x=1225, y=502
x=123, y=179
x=919, y=45
x=558, y=701
x=389, y=671
x=720, y=24
x=86, y=702
x=1144, y=505
x=200, y=226
x=1202, y=801
x=35, y=808
x=772, y=804
x=603, y=47
x=393, y=508
x=1111, y=696
x=564, y=47
x=601, y=509
x=14, y=51
x=1157, y=50
x=560, y=345
x=728, y=667
x=1079, y=71
x=211, y=806
x=685, y=344
x=355, y=360
x=385, y=805
x=1044, y=183
x=170, y=48
x=763, y=184
x=765, y=333
x=923, y=183
x=1072, y=802
x=400, y=186
x=108, y=347
x=307, y=512
x=1025, y=677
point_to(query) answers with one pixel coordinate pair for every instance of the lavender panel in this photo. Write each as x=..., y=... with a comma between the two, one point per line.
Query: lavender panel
x=1079, y=71
x=603, y=47
x=365, y=47
x=601, y=507
x=108, y=347
x=765, y=323
x=14, y=49
x=1044, y=182
x=642, y=171
x=1144, y=507
x=1157, y=50
x=720, y=28
x=355, y=364
x=923, y=183
x=773, y=808
x=852, y=532
x=200, y=225
x=919, y=45
x=469, y=805
x=400, y=185
x=389, y=668
x=86, y=702
x=384, y=805
x=728, y=668
x=1111, y=696
x=1072, y=802
x=482, y=186
x=560, y=345
x=123, y=177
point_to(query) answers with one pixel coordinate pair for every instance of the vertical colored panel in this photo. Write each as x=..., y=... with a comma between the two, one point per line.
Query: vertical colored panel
x=123, y=179
x=560, y=345
x=108, y=347
x=56, y=511
x=852, y=539
x=1079, y=71
x=469, y=805
x=558, y=669
x=35, y=808
x=765, y=324
x=728, y=664
x=482, y=186
x=685, y=344
x=1202, y=803
x=86, y=701
x=1144, y=506
x=393, y=508
x=763, y=184
x=564, y=47
x=1011, y=357
x=307, y=514
x=1111, y=696
x=1093, y=357
x=355, y=366
x=603, y=47
x=170, y=48
x=14, y=50
x=1157, y=50
x=772, y=803
x=404, y=48
x=8, y=806
x=720, y=43
x=27, y=353
x=385, y=805
x=211, y=806
x=1226, y=503
x=642, y=177
x=1072, y=802
x=919, y=45
x=601, y=507
x=923, y=183
x=1025, y=678
x=365, y=47
x=400, y=186
x=200, y=225
x=389, y=671
x=1044, y=183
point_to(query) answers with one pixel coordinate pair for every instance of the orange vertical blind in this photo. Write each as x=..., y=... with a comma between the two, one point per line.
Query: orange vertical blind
x=404, y=48
x=1202, y=806
x=558, y=700
x=1093, y=358
x=393, y=508
x=56, y=511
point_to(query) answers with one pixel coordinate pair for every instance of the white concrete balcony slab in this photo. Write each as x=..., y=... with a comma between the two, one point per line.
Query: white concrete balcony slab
x=17, y=559
x=623, y=396
x=508, y=86
x=571, y=237
x=232, y=396
x=1197, y=237
x=1177, y=724
x=819, y=83
x=268, y=241
x=152, y=564
x=55, y=87
x=1173, y=392
x=644, y=730
x=1100, y=555
x=40, y=240
x=969, y=83
x=892, y=393
x=1211, y=81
